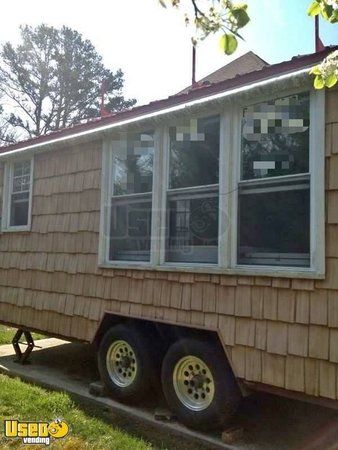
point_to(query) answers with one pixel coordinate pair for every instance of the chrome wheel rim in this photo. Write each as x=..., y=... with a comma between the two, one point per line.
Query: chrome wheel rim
x=121, y=363
x=193, y=383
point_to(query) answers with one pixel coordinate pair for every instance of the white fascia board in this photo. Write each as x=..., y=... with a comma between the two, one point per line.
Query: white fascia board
x=169, y=110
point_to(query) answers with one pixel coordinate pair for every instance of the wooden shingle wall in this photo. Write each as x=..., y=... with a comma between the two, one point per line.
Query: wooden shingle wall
x=276, y=331
x=43, y=272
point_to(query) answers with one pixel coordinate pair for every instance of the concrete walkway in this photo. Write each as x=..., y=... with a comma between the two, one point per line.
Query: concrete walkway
x=269, y=423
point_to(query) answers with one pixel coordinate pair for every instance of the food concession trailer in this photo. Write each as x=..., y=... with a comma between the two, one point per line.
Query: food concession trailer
x=193, y=240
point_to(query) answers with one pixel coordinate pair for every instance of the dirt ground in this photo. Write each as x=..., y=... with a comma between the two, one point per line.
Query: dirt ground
x=268, y=422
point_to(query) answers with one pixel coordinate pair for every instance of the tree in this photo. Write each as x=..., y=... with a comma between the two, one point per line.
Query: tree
x=226, y=17
x=53, y=78
x=6, y=136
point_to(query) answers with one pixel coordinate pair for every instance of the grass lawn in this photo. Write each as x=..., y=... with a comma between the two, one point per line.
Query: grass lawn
x=19, y=400
x=7, y=334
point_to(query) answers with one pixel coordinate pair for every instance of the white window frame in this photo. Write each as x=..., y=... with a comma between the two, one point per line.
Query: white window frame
x=7, y=196
x=105, y=210
x=317, y=191
x=229, y=177
x=166, y=190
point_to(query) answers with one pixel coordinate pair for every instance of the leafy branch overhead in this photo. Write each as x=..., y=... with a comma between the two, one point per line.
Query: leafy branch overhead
x=229, y=18
x=326, y=73
x=328, y=9
x=218, y=16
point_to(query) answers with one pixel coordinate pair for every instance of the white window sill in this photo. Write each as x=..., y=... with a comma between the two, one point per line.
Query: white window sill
x=16, y=229
x=260, y=271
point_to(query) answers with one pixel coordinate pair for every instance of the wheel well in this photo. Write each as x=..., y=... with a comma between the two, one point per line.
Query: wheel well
x=164, y=334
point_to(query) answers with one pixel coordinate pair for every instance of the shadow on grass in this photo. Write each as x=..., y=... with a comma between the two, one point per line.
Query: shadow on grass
x=268, y=421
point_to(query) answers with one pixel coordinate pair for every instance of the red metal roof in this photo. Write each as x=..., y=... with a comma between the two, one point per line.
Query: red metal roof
x=296, y=63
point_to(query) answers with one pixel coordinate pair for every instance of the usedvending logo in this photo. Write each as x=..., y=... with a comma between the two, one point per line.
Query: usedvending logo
x=36, y=432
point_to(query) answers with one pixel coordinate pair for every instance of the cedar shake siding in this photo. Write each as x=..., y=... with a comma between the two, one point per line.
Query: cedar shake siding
x=278, y=331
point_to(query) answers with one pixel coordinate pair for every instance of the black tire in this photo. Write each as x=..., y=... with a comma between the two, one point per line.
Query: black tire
x=226, y=396
x=146, y=371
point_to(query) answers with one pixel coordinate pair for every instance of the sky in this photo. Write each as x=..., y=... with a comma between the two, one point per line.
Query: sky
x=152, y=45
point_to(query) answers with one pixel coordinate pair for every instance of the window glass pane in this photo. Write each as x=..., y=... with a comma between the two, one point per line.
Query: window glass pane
x=21, y=176
x=22, y=168
x=275, y=138
x=274, y=224
x=194, y=153
x=19, y=195
x=193, y=227
x=133, y=163
x=21, y=183
x=130, y=229
x=19, y=209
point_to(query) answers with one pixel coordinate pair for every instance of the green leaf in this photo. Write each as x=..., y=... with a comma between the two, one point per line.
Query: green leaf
x=326, y=11
x=241, y=17
x=334, y=17
x=240, y=6
x=313, y=9
x=331, y=80
x=315, y=71
x=228, y=43
x=319, y=82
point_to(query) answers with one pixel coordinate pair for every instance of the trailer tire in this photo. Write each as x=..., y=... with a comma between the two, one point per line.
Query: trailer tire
x=126, y=363
x=198, y=383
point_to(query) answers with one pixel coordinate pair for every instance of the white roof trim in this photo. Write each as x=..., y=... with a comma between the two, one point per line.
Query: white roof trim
x=171, y=109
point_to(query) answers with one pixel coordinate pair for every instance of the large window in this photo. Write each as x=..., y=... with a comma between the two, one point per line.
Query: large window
x=131, y=200
x=240, y=192
x=192, y=195
x=17, y=200
x=274, y=191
